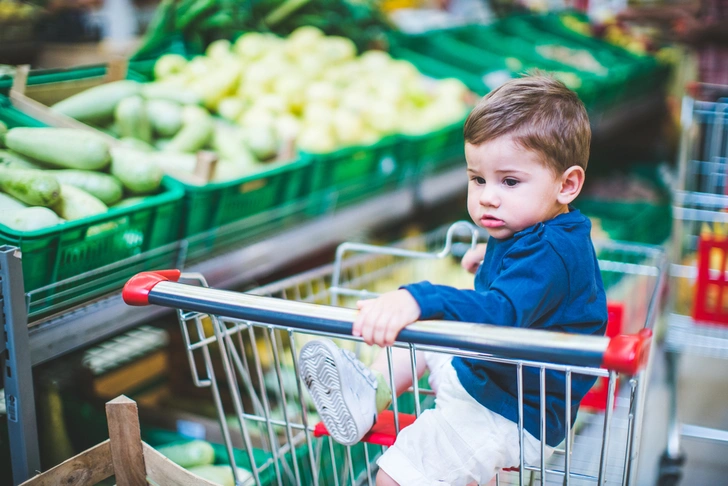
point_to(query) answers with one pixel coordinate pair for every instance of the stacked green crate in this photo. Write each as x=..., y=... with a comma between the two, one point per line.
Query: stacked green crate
x=646, y=73
x=352, y=174
x=98, y=253
x=638, y=221
x=221, y=214
x=211, y=211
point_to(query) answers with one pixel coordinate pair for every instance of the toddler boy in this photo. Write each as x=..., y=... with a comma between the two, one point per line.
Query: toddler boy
x=527, y=147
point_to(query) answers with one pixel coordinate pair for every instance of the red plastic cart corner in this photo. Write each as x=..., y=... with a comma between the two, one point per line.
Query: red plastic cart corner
x=628, y=353
x=136, y=291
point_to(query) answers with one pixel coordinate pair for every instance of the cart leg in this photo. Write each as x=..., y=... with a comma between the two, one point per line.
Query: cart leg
x=17, y=369
x=672, y=459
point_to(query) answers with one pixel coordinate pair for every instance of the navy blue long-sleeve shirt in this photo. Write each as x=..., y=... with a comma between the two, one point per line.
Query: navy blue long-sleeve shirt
x=544, y=277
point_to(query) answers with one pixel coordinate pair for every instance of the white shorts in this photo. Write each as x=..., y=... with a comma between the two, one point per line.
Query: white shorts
x=459, y=441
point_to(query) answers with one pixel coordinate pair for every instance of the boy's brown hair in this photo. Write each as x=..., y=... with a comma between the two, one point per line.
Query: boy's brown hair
x=541, y=114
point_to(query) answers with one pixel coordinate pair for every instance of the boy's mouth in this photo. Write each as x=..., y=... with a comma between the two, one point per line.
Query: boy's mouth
x=491, y=222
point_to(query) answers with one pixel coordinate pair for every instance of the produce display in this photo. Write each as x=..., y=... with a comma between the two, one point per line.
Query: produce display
x=198, y=457
x=51, y=175
x=262, y=98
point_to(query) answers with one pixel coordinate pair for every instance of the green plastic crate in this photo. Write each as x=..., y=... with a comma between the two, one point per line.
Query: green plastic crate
x=61, y=252
x=444, y=47
x=69, y=250
x=432, y=152
x=221, y=214
x=635, y=221
x=354, y=173
x=49, y=86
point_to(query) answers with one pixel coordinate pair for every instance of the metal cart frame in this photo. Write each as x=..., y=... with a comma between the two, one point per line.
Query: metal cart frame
x=225, y=325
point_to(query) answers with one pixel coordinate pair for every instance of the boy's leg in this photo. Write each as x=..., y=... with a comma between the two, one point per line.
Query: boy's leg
x=383, y=479
x=402, y=366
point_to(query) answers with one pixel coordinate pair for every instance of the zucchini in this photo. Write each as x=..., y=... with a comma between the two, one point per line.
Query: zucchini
x=76, y=203
x=17, y=161
x=129, y=201
x=262, y=141
x=195, y=133
x=227, y=170
x=136, y=170
x=171, y=162
x=137, y=144
x=165, y=91
x=33, y=187
x=29, y=219
x=132, y=120
x=189, y=454
x=9, y=202
x=229, y=143
x=97, y=103
x=161, y=143
x=63, y=147
x=165, y=117
x=105, y=187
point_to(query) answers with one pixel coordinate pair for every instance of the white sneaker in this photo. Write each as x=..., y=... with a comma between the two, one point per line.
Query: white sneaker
x=342, y=388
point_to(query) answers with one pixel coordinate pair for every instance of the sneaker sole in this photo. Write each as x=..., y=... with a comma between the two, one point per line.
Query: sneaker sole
x=319, y=369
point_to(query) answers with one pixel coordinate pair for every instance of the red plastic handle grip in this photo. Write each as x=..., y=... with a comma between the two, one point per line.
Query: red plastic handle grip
x=628, y=353
x=136, y=291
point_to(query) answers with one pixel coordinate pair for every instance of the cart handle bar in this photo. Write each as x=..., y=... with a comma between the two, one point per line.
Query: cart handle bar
x=623, y=353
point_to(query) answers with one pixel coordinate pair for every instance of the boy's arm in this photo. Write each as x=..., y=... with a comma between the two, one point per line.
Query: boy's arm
x=533, y=283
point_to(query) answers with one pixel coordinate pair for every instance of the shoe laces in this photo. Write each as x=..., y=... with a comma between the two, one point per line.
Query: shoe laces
x=361, y=367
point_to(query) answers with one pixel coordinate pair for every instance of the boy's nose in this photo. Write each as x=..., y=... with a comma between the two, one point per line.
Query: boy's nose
x=489, y=196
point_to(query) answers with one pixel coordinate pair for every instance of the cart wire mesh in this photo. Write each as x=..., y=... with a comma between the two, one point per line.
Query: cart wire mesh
x=251, y=365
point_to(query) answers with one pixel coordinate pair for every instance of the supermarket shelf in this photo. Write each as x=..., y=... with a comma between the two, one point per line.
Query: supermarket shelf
x=610, y=121
x=59, y=334
x=685, y=335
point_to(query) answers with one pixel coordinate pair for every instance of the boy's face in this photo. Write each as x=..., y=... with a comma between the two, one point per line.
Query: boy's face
x=509, y=188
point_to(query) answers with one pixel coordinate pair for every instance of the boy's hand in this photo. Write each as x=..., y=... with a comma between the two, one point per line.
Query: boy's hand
x=380, y=320
x=473, y=258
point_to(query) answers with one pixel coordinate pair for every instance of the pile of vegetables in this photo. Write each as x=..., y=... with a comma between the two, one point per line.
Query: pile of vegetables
x=313, y=89
x=52, y=175
x=163, y=127
x=198, y=456
x=254, y=101
x=201, y=22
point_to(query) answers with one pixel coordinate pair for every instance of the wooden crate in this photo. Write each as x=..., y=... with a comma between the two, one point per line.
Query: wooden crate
x=123, y=455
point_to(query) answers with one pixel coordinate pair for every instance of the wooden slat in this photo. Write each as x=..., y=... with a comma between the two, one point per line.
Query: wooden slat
x=44, y=114
x=126, y=442
x=162, y=471
x=89, y=467
x=205, y=166
x=116, y=69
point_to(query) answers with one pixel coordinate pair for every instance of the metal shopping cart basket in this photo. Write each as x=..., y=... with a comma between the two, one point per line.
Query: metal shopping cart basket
x=244, y=346
x=698, y=321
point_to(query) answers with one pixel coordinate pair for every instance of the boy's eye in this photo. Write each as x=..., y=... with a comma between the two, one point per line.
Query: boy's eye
x=510, y=182
x=478, y=180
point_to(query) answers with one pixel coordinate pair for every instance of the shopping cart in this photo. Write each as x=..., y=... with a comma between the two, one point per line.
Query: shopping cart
x=244, y=346
x=698, y=321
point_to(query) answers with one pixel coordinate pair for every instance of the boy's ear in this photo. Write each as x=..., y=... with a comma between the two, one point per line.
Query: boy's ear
x=572, y=180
